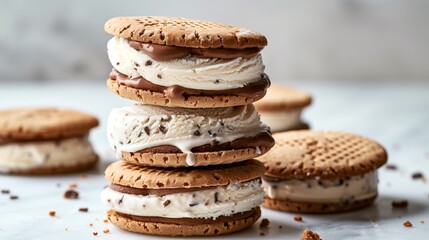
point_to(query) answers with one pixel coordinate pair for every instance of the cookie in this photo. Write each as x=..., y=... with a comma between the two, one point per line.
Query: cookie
x=321, y=171
x=39, y=141
x=183, y=32
x=199, y=201
x=281, y=108
x=188, y=63
x=177, y=137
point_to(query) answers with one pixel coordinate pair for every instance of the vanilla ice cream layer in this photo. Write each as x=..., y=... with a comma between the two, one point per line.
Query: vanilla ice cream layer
x=28, y=155
x=282, y=120
x=323, y=191
x=137, y=127
x=189, y=72
x=209, y=204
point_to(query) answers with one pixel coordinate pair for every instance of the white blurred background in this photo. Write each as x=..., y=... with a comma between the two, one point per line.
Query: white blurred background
x=338, y=40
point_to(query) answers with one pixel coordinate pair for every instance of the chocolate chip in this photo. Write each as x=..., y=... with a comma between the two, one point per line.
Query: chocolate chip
x=193, y=204
x=136, y=64
x=162, y=129
x=13, y=197
x=83, y=209
x=140, y=134
x=214, y=135
x=120, y=142
x=147, y=130
x=71, y=194
x=216, y=197
x=135, y=69
x=417, y=175
x=222, y=124
x=264, y=223
x=120, y=200
x=214, y=143
x=159, y=76
x=400, y=204
x=5, y=191
x=95, y=233
x=391, y=167
x=148, y=63
x=117, y=63
x=166, y=203
x=210, y=132
x=197, y=133
x=216, y=81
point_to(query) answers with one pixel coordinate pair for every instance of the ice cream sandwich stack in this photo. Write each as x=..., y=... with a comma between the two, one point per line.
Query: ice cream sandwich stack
x=185, y=147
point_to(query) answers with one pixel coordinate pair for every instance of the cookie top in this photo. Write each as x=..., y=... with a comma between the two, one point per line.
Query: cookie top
x=44, y=123
x=326, y=154
x=126, y=174
x=280, y=98
x=183, y=32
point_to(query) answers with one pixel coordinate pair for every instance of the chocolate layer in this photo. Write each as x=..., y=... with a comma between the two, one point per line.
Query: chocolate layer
x=4, y=141
x=251, y=90
x=158, y=192
x=263, y=139
x=166, y=53
x=191, y=221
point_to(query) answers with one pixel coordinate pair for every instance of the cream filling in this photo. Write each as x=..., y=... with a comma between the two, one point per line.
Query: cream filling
x=282, y=120
x=133, y=128
x=188, y=72
x=323, y=191
x=28, y=155
x=211, y=203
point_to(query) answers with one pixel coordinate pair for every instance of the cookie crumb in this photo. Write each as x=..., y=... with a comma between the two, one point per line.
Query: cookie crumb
x=280, y=226
x=73, y=185
x=5, y=191
x=106, y=221
x=408, y=224
x=310, y=235
x=13, y=197
x=83, y=175
x=264, y=223
x=71, y=194
x=83, y=209
x=106, y=231
x=95, y=233
x=298, y=218
x=391, y=167
x=52, y=213
x=166, y=203
x=91, y=225
x=422, y=222
x=400, y=204
x=417, y=175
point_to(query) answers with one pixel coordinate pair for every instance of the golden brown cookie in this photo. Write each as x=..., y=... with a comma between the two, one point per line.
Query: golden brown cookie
x=44, y=123
x=183, y=32
x=321, y=171
x=184, y=230
x=160, y=99
x=126, y=174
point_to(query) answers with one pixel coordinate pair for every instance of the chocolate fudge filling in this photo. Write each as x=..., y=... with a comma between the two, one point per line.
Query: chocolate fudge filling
x=263, y=139
x=192, y=221
x=250, y=90
x=159, y=192
x=166, y=53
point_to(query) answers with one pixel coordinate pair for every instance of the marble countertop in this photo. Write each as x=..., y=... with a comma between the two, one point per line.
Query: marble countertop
x=395, y=115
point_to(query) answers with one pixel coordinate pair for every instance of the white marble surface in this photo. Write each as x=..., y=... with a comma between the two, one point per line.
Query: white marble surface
x=395, y=115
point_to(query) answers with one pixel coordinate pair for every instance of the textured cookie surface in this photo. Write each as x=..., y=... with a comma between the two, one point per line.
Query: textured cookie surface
x=44, y=123
x=301, y=207
x=126, y=174
x=166, y=229
x=330, y=155
x=201, y=158
x=183, y=32
x=89, y=164
x=160, y=99
x=282, y=98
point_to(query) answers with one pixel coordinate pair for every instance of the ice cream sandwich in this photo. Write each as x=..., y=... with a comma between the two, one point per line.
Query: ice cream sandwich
x=200, y=201
x=179, y=62
x=45, y=141
x=321, y=171
x=281, y=108
x=178, y=137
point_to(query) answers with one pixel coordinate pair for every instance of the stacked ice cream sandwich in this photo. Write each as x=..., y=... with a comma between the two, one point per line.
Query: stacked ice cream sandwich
x=185, y=148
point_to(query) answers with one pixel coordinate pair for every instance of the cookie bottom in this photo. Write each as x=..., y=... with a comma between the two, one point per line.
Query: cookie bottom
x=301, y=207
x=53, y=170
x=160, y=99
x=173, y=229
x=200, y=158
x=300, y=126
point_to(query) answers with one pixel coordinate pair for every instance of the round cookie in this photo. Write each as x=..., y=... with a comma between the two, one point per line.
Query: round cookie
x=321, y=171
x=282, y=106
x=183, y=32
x=200, y=201
x=42, y=141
